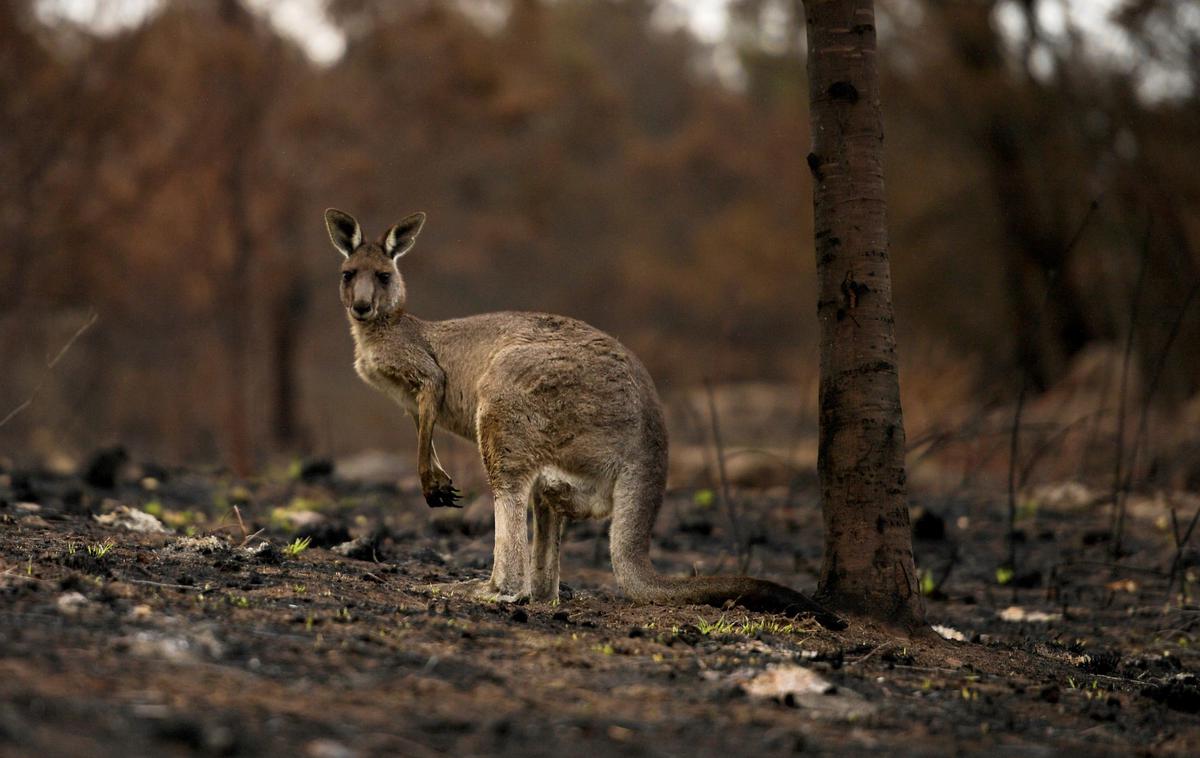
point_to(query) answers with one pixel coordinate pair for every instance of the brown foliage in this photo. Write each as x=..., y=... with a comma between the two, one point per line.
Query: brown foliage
x=576, y=159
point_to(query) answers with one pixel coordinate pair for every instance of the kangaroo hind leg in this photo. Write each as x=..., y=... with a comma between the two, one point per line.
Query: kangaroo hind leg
x=510, y=557
x=548, y=523
x=559, y=497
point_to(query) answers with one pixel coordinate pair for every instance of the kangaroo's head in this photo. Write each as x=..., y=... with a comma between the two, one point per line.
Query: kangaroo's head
x=372, y=288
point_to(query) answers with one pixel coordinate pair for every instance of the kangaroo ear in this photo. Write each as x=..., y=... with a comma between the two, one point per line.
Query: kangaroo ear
x=400, y=238
x=344, y=231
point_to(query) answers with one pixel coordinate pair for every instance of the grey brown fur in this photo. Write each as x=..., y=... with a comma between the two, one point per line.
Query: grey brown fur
x=564, y=416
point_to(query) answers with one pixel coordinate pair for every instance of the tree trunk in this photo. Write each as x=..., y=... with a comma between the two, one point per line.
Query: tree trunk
x=285, y=322
x=236, y=317
x=868, y=566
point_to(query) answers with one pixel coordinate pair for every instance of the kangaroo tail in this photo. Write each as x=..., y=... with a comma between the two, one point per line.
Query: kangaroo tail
x=633, y=518
x=643, y=584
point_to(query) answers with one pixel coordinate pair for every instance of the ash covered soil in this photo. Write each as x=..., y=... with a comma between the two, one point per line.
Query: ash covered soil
x=215, y=637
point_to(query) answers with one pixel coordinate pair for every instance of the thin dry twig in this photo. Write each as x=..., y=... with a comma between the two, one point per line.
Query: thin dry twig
x=18, y=574
x=374, y=578
x=1015, y=439
x=1110, y=565
x=168, y=585
x=92, y=317
x=1048, y=444
x=726, y=496
x=946, y=571
x=246, y=535
x=1181, y=542
x=869, y=654
x=1160, y=365
x=972, y=429
x=1118, y=491
x=1014, y=442
x=781, y=460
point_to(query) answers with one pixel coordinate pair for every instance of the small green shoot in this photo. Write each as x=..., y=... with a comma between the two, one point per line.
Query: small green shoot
x=745, y=627
x=927, y=585
x=704, y=498
x=100, y=549
x=720, y=626
x=1004, y=575
x=1027, y=508
x=297, y=546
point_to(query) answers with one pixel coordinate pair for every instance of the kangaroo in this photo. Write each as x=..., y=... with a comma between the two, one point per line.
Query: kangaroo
x=565, y=418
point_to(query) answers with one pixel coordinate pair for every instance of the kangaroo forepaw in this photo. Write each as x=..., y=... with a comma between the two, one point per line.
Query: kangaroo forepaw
x=443, y=496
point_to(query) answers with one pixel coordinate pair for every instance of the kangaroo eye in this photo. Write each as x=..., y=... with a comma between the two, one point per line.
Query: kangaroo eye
x=347, y=276
x=384, y=277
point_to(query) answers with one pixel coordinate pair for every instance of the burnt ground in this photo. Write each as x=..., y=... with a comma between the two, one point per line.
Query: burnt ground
x=118, y=642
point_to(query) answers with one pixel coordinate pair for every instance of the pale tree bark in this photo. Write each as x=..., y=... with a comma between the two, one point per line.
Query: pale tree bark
x=868, y=567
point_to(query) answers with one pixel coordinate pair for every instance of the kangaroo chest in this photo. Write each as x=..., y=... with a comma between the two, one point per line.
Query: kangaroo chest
x=403, y=368
x=386, y=377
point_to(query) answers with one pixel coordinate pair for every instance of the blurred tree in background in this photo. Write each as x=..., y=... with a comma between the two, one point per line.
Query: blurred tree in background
x=577, y=156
